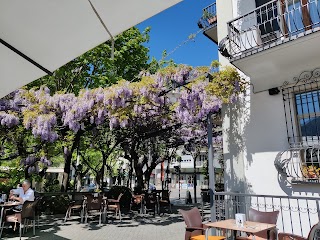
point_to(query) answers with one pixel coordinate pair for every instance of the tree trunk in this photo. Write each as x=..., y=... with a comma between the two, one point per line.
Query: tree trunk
x=66, y=172
x=67, y=161
x=104, y=162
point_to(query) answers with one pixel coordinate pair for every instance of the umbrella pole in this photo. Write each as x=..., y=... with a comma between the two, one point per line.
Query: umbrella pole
x=105, y=27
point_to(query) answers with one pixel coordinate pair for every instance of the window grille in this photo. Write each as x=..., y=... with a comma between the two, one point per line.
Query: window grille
x=302, y=109
x=301, y=102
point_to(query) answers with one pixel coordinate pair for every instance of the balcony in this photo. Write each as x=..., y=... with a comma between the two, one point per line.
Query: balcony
x=300, y=164
x=208, y=22
x=279, y=36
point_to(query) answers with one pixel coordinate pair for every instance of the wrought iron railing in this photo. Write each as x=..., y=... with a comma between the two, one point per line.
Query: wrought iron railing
x=271, y=24
x=296, y=214
x=300, y=164
x=209, y=16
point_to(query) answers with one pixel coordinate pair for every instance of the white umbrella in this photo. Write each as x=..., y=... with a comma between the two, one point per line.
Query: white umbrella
x=39, y=36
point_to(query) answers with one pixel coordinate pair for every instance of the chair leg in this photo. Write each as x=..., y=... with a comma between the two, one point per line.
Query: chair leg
x=105, y=215
x=34, y=227
x=81, y=215
x=24, y=225
x=2, y=226
x=86, y=218
x=202, y=210
x=20, y=230
x=119, y=214
x=67, y=215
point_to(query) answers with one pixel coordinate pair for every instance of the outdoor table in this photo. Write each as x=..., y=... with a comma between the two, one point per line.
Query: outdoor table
x=249, y=227
x=7, y=205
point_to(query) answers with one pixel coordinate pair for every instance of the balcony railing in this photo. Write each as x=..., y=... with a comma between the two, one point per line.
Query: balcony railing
x=270, y=25
x=300, y=164
x=209, y=16
x=296, y=214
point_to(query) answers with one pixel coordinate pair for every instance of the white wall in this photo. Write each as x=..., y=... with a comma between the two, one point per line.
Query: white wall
x=254, y=132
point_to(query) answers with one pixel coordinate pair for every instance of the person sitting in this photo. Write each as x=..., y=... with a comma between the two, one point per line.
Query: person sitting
x=25, y=193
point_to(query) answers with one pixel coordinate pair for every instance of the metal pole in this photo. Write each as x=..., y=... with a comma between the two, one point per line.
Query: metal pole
x=195, y=178
x=211, y=171
x=105, y=27
x=179, y=183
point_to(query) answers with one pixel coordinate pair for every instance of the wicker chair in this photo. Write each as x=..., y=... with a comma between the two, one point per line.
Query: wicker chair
x=195, y=228
x=263, y=217
x=138, y=202
x=75, y=205
x=27, y=213
x=94, y=204
x=151, y=202
x=114, y=205
x=165, y=200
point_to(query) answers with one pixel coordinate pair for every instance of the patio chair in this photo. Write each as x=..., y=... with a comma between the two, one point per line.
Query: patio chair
x=137, y=202
x=262, y=217
x=151, y=202
x=38, y=209
x=114, y=205
x=313, y=234
x=94, y=204
x=27, y=213
x=195, y=228
x=205, y=198
x=75, y=205
x=165, y=200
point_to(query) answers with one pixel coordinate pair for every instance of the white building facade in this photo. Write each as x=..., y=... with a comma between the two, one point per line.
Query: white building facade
x=271, y=136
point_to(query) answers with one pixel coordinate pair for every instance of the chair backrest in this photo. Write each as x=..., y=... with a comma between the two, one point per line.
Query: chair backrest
x=78, y=198
x=137, y=199
x=314, y=232
x=192, y=218
x=165, y=195
x=28, y=209
x=38, y=201
x=150, y=199
x=263, y=217
x=119, y=197
x=94, y=203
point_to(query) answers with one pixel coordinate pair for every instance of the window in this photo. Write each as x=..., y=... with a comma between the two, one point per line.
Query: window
x=308, y=115
x=302, y=111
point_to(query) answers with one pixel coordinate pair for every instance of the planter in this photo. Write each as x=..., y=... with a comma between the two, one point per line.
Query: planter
x=310, y=172
x=212, y=20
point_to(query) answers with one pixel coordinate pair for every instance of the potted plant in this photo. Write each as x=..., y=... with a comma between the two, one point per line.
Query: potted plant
x=310, y=171
x=211, y=18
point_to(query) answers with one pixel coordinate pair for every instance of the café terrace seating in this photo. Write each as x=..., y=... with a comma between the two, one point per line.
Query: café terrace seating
x=194, y=227
x=27, y=214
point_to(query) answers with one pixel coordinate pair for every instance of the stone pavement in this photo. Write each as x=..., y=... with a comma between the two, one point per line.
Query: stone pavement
x=138, y=227
x=133, y=226
x=144, y=227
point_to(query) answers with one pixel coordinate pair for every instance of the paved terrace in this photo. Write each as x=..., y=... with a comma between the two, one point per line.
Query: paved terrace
x=133, y=226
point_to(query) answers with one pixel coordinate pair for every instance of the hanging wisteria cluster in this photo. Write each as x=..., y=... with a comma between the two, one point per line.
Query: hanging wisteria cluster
x=34, y=163
x=124, y=104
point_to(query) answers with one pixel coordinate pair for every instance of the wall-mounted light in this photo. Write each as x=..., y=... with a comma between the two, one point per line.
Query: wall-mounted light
x=274, y=91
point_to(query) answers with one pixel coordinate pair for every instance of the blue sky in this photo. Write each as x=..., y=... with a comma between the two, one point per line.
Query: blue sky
x=173, y=26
